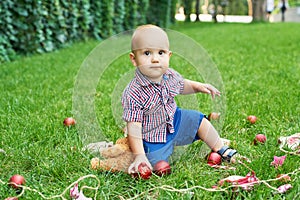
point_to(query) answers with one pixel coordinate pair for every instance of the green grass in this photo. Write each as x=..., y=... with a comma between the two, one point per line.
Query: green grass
x=260, y=68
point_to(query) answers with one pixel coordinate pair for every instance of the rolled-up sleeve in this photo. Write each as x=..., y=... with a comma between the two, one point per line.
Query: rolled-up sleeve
x=132, y=110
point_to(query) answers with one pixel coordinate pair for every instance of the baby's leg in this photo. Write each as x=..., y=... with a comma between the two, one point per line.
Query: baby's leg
x=208, y=134
x=211, y=137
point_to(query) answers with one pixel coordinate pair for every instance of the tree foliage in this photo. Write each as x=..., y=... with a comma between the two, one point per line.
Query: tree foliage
x=37, y=26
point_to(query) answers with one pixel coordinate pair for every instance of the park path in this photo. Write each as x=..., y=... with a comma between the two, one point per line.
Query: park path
x=291, y=15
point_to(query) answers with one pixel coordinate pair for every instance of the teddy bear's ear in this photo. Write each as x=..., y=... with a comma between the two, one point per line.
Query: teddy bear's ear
x=123, y=140
x=117, y=158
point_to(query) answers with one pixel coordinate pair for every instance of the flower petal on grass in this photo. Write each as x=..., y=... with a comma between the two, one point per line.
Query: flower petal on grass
x=82, y=197
x=292, y=142
x=278, y=161
x=74, y=192
x=284, y=188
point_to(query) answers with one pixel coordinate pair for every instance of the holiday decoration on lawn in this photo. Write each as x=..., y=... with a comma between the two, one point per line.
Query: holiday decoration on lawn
x=235, y=181
x=252, y=119
x=144, y=172
x=245, y=182
x=278, y=161
x=162, y=167
x=214, y=159
x=284, y=188
x=76, y=194
x=69, y=121
x=260, y=139
x=16, y=180
x=291, y=142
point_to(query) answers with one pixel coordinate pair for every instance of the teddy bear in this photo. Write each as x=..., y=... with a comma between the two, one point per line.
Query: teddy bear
x=116, y=158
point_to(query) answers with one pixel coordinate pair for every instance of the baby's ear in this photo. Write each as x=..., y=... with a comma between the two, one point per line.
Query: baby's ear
x=132, y=58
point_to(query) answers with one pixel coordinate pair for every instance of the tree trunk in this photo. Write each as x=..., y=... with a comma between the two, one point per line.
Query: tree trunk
x=258, y=10
x=187, y=7
x=197, y=10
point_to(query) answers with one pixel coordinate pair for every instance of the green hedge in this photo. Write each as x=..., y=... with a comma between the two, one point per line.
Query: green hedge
x=38, y=26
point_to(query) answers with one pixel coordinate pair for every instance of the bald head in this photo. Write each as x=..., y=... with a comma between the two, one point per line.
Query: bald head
x=149, y=36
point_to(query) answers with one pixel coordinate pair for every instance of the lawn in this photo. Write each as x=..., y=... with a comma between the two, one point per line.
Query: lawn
x=259, y=69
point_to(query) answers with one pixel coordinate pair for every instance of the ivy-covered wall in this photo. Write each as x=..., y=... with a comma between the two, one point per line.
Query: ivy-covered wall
x=37, y=26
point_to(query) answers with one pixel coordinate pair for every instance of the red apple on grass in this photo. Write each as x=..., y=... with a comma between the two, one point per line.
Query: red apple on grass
x=16, y=180
x=144, y=172
x=260, y=138
x=162, y=167
x=252, y=119
x=69, y=121
x=214, y=159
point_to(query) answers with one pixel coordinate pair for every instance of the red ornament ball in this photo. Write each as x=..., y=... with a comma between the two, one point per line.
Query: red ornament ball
x=260, y=138
x=16, y=180
x=214, y=159
x=162, y=167
x=144, y=172
x=252, y=119
x=69, y=121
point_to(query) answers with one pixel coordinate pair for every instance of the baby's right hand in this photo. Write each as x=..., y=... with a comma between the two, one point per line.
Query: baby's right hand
x=139, y=159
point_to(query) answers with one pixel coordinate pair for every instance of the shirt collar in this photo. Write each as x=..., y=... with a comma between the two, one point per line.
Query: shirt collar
x=144, y=81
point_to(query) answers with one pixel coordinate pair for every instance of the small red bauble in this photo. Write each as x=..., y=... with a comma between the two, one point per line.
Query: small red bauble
x=252, y=119
x=260, y=138
x=69, y=121
x=214, y=159
x=162, y=167
x=144, y=172
x=16, y=180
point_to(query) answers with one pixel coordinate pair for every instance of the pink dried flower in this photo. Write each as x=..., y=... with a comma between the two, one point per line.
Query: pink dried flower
x=278, y=161
x=82, y=197
x=284, y=188
x=74, y=192
x=292, y=140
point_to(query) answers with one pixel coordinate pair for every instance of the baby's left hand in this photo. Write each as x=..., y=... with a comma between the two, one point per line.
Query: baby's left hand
x=209, y=89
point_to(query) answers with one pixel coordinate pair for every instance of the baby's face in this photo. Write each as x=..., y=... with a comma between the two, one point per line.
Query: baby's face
x=152, y=63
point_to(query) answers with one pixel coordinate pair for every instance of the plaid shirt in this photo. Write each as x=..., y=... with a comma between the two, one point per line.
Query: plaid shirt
x=152, y=104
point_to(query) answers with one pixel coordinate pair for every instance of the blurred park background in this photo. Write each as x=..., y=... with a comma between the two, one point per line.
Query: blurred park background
x=36, y=26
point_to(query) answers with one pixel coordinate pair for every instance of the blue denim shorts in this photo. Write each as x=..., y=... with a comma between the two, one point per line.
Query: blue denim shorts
x=186, y=124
